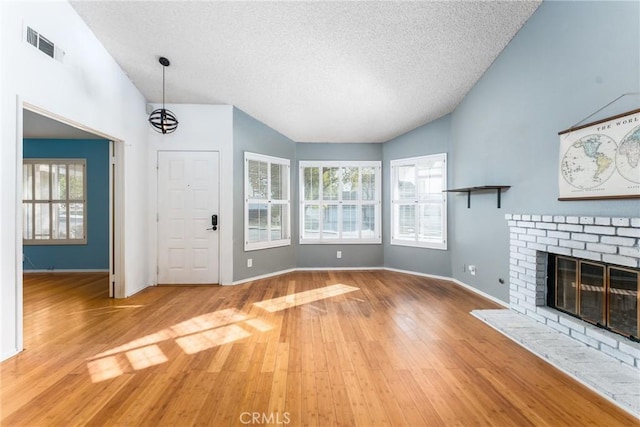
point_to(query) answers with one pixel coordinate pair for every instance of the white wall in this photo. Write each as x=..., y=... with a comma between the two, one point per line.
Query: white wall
x=88, y=88
x=200, y=128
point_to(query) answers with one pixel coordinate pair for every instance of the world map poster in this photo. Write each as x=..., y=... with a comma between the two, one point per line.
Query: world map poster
x=601, y=160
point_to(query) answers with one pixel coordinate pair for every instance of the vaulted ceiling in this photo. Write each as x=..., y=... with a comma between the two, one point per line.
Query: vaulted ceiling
x=316, y=71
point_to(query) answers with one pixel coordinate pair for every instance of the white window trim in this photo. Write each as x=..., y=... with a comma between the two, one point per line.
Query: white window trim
x=253, y=246
x=66, y=241
x=359, y=202
x=442, y=245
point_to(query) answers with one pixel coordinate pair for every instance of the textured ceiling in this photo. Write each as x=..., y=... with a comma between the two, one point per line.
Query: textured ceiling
x=314, y=71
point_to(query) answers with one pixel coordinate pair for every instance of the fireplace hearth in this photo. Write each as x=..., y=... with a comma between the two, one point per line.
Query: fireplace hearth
x=599, y=257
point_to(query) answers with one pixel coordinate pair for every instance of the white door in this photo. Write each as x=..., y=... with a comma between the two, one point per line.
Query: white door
x=187, y=200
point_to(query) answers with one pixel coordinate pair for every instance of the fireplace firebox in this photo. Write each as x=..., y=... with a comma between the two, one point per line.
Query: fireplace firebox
x=602, y=294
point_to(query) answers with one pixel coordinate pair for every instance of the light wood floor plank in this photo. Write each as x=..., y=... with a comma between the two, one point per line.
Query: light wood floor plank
x=396, y=350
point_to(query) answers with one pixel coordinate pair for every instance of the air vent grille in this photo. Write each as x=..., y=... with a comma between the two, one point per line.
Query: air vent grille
x=32, y=37
x=46, y=46
x=43, y=44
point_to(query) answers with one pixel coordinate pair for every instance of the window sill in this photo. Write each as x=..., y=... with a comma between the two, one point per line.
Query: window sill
x=266, y=245
x=422, y=245
x=341, y=242
x=50, y=242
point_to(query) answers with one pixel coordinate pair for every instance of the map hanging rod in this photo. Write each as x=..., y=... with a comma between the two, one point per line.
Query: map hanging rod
x=576, y=126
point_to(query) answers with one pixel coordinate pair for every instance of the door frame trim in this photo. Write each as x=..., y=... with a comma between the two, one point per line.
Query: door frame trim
x=116, y=203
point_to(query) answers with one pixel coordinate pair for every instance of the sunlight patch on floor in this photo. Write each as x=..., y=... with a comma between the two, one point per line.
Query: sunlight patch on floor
x=259, y=324
x=201, y=341
x=144, y=357
x=163, y=335
x=209, y=321
x=198, y=334
x=105, y=368
x=193, y=335
x=300, y=298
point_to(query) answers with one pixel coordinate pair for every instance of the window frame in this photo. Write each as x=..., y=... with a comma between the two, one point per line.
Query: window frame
x=376, y=202
x=396, y=200
x=269, y=201
x=50, y=202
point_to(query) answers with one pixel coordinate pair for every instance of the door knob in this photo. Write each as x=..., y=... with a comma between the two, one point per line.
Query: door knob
x=214, y=223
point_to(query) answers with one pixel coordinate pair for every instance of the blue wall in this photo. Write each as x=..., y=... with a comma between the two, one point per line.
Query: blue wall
x=95, y=254
x=255, y=137
x=433, y=138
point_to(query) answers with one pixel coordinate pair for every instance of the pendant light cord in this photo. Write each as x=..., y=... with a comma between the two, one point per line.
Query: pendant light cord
x=163, y=67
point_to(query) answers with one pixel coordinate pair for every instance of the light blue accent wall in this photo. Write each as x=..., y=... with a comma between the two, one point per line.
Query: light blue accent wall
x=253, y=136
x=324, y=256
x=95, y=254
x=569, y=59
x=433, y=138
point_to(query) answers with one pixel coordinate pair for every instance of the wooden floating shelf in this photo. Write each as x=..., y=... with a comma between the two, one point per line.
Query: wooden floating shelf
x=470, y=190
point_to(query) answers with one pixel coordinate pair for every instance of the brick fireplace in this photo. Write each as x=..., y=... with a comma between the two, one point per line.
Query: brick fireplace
x=603, y=239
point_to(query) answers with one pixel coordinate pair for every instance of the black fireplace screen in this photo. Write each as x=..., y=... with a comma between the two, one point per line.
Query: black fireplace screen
x=598, y=293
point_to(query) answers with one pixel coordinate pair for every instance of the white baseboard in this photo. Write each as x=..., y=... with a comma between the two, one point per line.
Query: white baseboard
x=456, y=281
x=413, y=273
x=338, y=268
x=67, y=271
x=10, y=354
x=262, y=276
x=291, y=270
x=479, y=292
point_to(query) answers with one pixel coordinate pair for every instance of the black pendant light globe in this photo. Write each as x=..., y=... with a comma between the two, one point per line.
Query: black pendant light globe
x=163, y=120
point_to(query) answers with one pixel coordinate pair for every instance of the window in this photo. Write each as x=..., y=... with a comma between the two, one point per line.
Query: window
x=267, y=202
x=340, y=202
x=418, y=204
x=54, y=201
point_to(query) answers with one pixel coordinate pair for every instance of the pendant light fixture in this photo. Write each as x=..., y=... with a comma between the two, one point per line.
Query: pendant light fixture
x=163, y=120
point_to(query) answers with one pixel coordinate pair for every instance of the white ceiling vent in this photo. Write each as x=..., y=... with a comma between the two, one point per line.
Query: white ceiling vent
x=43, y=44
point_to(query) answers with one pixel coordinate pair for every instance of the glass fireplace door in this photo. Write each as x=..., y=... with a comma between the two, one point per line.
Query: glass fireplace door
x=566, y=280
x=592, y=292
x=623, y=301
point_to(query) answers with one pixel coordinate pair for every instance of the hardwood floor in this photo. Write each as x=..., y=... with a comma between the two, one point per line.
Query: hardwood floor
x=306, y=348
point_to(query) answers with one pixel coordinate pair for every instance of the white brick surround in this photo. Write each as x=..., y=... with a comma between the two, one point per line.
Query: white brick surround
x=605, y=239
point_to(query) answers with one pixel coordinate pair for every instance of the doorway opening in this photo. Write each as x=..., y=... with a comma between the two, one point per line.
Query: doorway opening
x=58, y=220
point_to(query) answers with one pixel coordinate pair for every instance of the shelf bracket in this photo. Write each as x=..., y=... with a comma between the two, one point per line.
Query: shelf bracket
x=499, y=192
x=470, y=190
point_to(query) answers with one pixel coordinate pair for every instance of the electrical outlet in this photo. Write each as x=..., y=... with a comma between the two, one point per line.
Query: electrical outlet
x=472, y=270
x=250, y=262
x=339, y=254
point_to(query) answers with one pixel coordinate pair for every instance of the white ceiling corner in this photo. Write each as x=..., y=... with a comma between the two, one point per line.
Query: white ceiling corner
x=318, y=71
